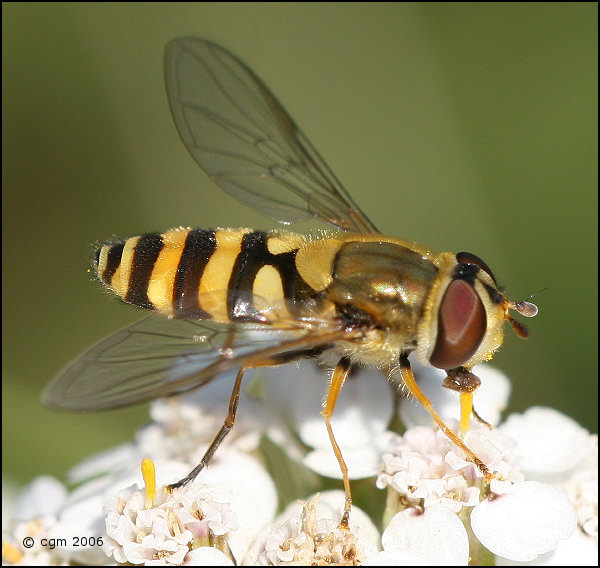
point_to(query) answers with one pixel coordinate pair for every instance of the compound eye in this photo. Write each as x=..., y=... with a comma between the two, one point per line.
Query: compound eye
x=470, y=258
x=461, y=326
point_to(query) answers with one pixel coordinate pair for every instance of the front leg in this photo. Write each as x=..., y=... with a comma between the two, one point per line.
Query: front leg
x=413, y=387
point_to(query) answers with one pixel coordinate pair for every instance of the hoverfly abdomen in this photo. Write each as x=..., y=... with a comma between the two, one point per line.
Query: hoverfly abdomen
x=225, y=275
x=265, y=272
x=125, y=267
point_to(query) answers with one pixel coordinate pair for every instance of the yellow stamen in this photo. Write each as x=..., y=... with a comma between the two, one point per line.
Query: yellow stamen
x=466, y=408
x=10, y=553
x=149, y=475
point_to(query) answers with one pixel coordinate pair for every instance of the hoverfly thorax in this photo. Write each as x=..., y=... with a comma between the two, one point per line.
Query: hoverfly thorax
x=385, y=280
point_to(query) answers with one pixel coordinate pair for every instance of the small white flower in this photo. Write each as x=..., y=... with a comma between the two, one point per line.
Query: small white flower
x=61, y=528
x=161, y=528
x=308, y=534
x=241, y=481
x=423, y=468
x=239, y=488
x=15, y=553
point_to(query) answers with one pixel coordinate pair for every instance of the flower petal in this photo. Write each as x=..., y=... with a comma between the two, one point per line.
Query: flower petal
x=207, y=556
x=524, y=522
x=43, y=496
x=436, y=535
x=577, y=550
x=548, y=442
x=361, y=462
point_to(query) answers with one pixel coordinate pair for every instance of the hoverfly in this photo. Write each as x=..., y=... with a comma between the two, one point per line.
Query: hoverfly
x=368, y=298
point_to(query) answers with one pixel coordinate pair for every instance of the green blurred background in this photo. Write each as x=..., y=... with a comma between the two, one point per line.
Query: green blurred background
x=465, y=126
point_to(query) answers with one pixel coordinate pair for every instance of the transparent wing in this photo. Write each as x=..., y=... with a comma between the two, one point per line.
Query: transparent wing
x=156, y=357
x=244, y=139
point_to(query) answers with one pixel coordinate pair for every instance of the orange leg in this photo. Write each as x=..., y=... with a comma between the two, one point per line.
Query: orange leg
x=409, y=381
x=340, y=373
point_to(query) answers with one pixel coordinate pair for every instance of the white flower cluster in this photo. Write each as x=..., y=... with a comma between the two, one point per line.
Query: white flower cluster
x=48, y=525
x=424, y=469
x=308, y=538
x=434, y=488
x=178, y=528
x=541, y=507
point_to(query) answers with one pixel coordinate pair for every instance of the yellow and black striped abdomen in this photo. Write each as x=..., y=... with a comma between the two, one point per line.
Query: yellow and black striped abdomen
x=225, y=274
